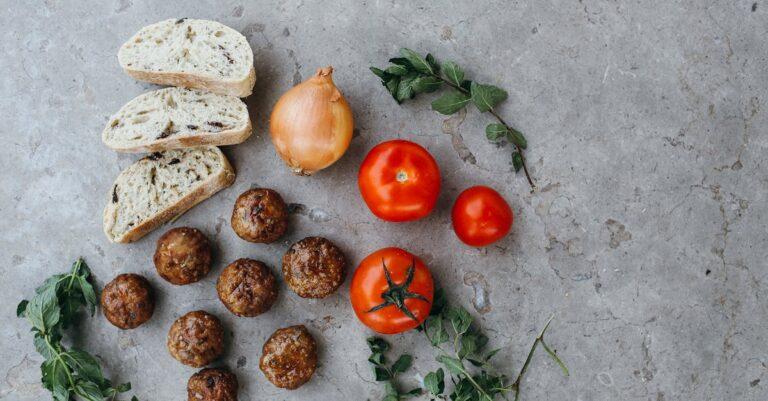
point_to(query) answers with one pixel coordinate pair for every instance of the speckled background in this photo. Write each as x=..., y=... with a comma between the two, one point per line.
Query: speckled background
x=647, y=236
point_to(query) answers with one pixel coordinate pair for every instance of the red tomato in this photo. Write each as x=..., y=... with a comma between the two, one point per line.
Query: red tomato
x=481, y=216
x=399, y=181
x=391, y=291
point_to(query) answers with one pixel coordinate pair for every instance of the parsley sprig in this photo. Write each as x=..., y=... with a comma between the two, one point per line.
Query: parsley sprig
x=69, y=374
x=462, y=353
x=411, y=74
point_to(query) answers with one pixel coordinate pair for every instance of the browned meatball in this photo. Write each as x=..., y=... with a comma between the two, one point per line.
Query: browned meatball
x=289, y=357
x=212, y=385
x=183, y=256
x=247, y=287
x=260, y=215
x=314, y=267
x=127, y=301
x=196, y=339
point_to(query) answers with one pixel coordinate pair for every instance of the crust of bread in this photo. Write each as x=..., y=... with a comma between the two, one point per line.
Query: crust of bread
x=214, y=184
x=222, y=138
x=239, y=88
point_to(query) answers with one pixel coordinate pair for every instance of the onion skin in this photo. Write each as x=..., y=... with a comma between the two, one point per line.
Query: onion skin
x=311, y=124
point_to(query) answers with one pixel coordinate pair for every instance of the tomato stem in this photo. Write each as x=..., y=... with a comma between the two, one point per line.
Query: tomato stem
x=397, y=294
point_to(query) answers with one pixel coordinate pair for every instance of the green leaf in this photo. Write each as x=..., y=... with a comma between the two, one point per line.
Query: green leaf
x=89, y=390
x=43, y=311
x=379, y=72
x=392, y=86
x=381, y=374
x=495, y=132
x=134, y=398
x=426, y=84
x=54, y=373
x=396, y=69
x=453, y=73
x=42, y=347
x=21, y=309
x=452, y=364
x=418, y=62
x=84, y=364
x=377, y=358
x=439, y=302
x=517, y=138
x=435, y=330
x=491, y=354
x=468, y=345
x=434, y=382
x=486, y=97
x=460, y=319
x=402, y=364
x=433, y=63
x=450, y=102
x=517, y=161
x=401, y=61
x=377, y=344
x=89, y=294
x=405, y=89
x=412, y=393
x=123, y=387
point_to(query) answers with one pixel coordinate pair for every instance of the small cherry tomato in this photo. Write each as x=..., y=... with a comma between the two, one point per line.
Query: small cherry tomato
x=399, y=181
x=481, y=216
x=391, y=291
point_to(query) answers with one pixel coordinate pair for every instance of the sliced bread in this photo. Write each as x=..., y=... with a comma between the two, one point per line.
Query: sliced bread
x=191, y=53
x=162, y=186
x=174, y=118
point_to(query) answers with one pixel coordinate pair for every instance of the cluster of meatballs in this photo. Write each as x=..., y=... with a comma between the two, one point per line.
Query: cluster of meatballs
x=313, y=267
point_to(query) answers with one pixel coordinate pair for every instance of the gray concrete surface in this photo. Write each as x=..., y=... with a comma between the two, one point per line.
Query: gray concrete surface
x=647, y=237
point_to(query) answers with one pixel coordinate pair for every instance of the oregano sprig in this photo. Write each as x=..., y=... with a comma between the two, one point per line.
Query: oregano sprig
x=470, y=384
x=412, y=74
x=383, y=372
x=69, y=374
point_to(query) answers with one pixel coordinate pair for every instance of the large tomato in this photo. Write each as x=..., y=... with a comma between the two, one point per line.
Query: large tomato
x=391, y=291
x=481, y=216
x=399, y=181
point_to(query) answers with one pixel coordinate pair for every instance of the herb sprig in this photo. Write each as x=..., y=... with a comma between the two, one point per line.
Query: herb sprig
x=462, y=353
x=69, y=374
x=387, y=373
x=412, y=74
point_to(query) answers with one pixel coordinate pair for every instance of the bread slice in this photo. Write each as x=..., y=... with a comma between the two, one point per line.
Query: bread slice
x=162, y=186
x=174, y=118
x=191, y=53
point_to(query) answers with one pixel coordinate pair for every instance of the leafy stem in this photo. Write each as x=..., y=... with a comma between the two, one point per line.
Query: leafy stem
x=501, y=121
x=539, y=340
x=412, y=74
x=68, y=374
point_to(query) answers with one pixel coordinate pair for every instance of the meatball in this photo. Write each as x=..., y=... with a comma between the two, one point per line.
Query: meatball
x=260, y=215
x=314, y=267
x=247, y=287
x=183, y=256
x=128, y=301
x=196, y=339
x=212, y=385
x=289, y=357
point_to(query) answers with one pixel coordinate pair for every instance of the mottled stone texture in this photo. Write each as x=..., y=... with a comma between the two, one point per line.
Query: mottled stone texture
x=647, y=236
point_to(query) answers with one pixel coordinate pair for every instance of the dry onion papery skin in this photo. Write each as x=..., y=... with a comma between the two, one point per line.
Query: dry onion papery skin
x=311, y=124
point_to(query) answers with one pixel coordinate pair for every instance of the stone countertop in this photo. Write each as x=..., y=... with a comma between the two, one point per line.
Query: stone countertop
x=646, y=237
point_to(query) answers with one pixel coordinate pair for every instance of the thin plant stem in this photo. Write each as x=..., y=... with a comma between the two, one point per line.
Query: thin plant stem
x=502, y=122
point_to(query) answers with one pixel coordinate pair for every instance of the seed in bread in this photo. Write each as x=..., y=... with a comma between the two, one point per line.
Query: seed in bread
x=174, y=118
x=191, y=53
x=162, y=186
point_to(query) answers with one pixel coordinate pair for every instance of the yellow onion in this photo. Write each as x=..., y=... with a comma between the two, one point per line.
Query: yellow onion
x=311, y=124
